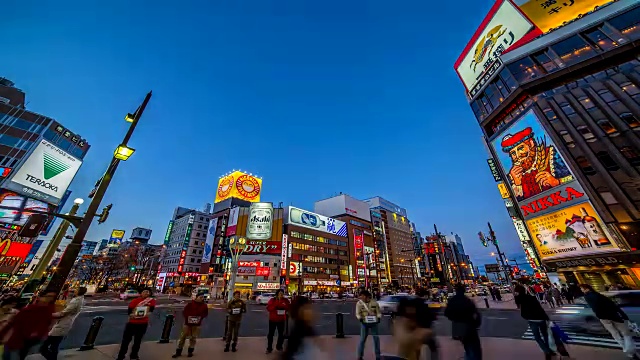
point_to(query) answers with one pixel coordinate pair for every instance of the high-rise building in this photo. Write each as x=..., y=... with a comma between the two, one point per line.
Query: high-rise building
x=103, y=244
x=88, y=248
x=557, y=96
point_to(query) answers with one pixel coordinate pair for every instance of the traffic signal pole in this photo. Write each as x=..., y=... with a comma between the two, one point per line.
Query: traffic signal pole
x=59, y=277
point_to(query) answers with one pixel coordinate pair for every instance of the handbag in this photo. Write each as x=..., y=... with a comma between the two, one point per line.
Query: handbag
x=635, y=329
x=558, y=332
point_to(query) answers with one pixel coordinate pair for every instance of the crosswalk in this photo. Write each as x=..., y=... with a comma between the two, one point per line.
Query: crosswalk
x=585, y=339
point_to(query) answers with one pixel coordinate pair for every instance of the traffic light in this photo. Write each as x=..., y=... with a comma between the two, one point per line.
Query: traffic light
x=105, y=214
x=132, y=267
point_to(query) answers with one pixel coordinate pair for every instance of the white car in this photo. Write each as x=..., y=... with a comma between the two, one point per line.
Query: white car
x=129, y=294
x=263, y=299
x=204, y=291
x=389, y=304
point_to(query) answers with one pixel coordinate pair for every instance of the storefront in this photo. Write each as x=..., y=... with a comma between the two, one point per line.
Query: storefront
x=599, y=271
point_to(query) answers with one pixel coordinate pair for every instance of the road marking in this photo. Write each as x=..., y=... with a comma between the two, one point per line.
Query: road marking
x=585, y=339
x=495, y=318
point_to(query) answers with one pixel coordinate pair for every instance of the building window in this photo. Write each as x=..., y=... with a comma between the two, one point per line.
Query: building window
x=586, y=102
x=573, y=50
x=567, y=138
x=585, y=165
x=567, y=108
x=630, y=119
x=550, y=114
x=547, y=63
x=586, y=133
x=607, y=96
x=504, y=90
x=628, y=23
x=607, y=161
x=478, y=110
x=599, y=39
x=524, y=70
x=632, y=90
x=607, y=127
x=631, y=154
x=508, y=80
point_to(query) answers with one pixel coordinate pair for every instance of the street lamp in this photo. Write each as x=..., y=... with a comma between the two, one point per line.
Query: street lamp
x=237, y=245
x=123, y=152
x=78, y=201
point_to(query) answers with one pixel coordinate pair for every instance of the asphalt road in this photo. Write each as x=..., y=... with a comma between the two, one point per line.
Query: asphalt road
x=496, y=323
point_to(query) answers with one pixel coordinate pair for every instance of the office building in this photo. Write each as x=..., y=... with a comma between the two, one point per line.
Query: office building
x=558, y=101
x=140, y=235
x=88, y=248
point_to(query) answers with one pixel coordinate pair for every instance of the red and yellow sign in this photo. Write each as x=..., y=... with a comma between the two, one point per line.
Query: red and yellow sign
x=12, y=254
x=573, y=231
x=547, y=15
x=239, y=185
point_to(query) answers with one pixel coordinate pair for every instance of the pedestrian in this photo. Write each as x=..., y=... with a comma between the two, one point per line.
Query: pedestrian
x=612, y=318
x=194, y=313
x=65, y=320
x=28, y=327
x=492, y=290
x=568, y=295
x=498, y=294
x=302, y=343
x=408, y=335
x=277, y=308
x=236, y=308
x=465, y=321
x=369, y=314
x=548, y=296
x=426, y=318
x=575, y=290
x=532, y=311
x=139, y=310
x=537, y=288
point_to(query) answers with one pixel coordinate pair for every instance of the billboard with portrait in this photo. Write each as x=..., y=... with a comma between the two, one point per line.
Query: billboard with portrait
x=530, y=159
x=240, y=186
x=548, y=15
x=574, y=231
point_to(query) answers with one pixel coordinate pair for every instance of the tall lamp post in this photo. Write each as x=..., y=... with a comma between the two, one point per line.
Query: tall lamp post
x=501, y=256
x=237, y=245
x=121, y=153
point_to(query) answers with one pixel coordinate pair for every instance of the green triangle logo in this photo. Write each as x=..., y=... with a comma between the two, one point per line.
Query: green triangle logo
x=53, y=166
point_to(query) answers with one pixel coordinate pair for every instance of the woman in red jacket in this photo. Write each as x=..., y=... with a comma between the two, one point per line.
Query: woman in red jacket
x=277, y=308
x=193, y=314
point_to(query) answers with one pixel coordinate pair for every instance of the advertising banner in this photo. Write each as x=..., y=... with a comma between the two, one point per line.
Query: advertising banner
x=494, y=170
x=504, y=192
x=530, y=159
x=295, y=268
x=268, y=286
x=19, y=217
x=548, y=15
x=260, y=222
x=249, y=263
x=240, y=186
x=247, y=271
x=208, y=244
x=492, y=268
x=283, y=254
x=12, y=254
x=263, y=271
x=116, y=238
x=570, y=232
x=315, y=221
x=233, y=221
x=255, y=247
x=503, y=27
x=32, y=253
x=46, y=174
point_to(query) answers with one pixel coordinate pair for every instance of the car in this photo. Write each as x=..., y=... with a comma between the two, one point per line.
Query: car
x=204, y=291
x=579, y=317
x=389, y=304
x=349, y=295
x=27, y=296
x=129, y=294
x=264, y=298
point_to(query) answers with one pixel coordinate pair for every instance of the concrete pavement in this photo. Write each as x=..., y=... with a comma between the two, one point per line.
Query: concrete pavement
x=342, y=349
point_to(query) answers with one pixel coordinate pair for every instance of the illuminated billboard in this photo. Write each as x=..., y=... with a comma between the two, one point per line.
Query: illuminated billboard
x=501, y=29
x=239, y=185
x=548, y=15
x=19, y=217
x=573, y=231
x=116, y=238
x=530, y=159
x=315, y=221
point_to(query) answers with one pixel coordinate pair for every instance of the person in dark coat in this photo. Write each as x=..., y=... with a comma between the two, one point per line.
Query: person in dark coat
x=568, y=295
x=465, y=320
x=612, y=318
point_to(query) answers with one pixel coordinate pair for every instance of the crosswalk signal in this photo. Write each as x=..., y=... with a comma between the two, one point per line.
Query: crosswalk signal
x=132, y=268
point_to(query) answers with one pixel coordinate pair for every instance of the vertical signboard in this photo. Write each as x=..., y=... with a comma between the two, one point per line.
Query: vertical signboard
x=260, y=222
x=208, y=244
x=167, y=235
x=283, y=255
x=116, y=238
x=233, y=221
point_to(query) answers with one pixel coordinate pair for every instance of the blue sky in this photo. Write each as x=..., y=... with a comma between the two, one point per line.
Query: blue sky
x=317, y=97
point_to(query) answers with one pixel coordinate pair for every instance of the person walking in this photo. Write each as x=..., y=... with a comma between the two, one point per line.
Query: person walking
x=408, y=335
x=368, y=314
x=532, y=311
x=66, y=318
x=426, y=318
x=556, y=295
x=139, y=310
x=548, y=297
x=236, y=307
x=28, y=327
x=277, y=308
x=612, y=318
x=302, y=343
x=566, y=294
x=194, y=313
x=465, y=321
x=537, y=288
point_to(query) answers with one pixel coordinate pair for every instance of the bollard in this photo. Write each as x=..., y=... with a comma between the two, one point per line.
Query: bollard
x=166, y=329
x=339, y=326
x=92, y=334
x=226, y=328
x=486, y=302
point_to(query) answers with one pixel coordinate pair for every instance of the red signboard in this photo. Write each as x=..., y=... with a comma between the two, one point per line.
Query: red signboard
x=263, y=271
x=358, y=241
x=249, y=263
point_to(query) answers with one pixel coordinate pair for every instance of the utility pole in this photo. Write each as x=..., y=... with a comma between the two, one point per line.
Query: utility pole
x=445, y=262
x=501, y=256
x=73, y=249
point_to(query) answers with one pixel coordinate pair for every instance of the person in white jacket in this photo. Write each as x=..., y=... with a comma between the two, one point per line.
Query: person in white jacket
x=66, y=317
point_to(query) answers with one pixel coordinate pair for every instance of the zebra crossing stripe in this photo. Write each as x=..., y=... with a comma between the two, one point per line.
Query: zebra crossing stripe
x=583, y=339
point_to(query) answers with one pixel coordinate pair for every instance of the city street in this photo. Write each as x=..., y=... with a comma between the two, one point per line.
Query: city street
x=496, y=323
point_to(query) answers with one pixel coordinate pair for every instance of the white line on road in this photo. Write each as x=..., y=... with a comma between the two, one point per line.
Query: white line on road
x=495, y=318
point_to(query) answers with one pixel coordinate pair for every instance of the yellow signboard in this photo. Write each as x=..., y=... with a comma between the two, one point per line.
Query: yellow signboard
x=548, y=15
x=239, y=185
x=571, y=232
x=117, y=234
x=504, y=192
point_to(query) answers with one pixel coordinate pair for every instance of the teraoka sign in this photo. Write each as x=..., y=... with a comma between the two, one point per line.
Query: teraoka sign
x=46, y=174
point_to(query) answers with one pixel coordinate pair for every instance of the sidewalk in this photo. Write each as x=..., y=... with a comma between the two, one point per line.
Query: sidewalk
x=343, y=349
x=507, y=302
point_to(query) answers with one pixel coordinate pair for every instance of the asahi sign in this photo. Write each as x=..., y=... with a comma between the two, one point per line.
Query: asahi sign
x=260, y=221
x=552, y=200
x=262, y=247
x=46, y=174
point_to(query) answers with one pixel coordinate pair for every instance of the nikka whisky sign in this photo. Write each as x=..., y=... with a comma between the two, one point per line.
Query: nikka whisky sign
x=553, y=200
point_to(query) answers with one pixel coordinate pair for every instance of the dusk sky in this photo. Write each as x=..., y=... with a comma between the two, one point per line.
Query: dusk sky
x=317, y=97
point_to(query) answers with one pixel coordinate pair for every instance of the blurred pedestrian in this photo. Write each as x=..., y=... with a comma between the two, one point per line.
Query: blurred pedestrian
x=465, y=321
x=277, y=308
x=139, y=310
x=568, y=295
x=426, y=318
x=193, y=314
x=539, y=292
x=408, y=335
x=7, y=310
x=65, y=320
x=612, y=318
x=236, y=308
x=556, y=294
x=28, y=327
x=369, y=314
x=302, y=343
x=548, y=296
